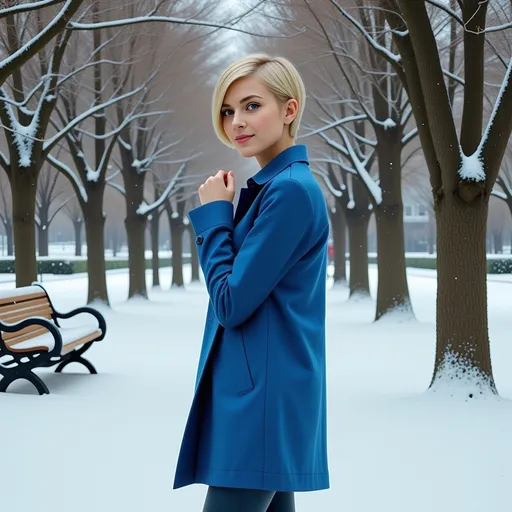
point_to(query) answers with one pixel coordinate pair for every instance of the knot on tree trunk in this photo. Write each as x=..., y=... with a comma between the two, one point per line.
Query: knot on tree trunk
x=470, y=191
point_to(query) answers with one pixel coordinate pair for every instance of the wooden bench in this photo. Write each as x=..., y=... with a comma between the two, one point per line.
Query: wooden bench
x=31, y=336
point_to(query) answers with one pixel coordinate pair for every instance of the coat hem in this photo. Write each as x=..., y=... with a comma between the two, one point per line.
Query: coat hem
x=285, y=482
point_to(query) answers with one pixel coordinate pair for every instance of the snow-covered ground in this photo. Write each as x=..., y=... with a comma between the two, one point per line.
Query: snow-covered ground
x=109, y=442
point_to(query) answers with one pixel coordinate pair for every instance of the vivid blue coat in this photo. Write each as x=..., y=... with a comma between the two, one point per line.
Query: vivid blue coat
x=258, y=418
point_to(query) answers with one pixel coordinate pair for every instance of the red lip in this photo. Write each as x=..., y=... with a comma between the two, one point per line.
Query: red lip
x=243, y=138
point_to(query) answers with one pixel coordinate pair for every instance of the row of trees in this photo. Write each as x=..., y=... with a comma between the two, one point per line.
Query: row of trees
x=428, y=85
x=85, y=87
x=392, y=84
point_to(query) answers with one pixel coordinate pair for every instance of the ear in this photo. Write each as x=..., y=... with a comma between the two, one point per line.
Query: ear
x=291, y=111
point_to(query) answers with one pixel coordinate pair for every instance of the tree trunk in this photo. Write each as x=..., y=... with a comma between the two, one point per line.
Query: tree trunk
x=194, y=256
x=77, y=224
x=24, y=190
x=498, y=242
x=95, y=239
x=42, y=239
x=359, y=284
x=462, y=349
x=177, y=257
x=136, y=235
x=10, y=238
x=339, y=228
x=115, y=242
x=392, y=290
x=431, y=227
x=155, y=262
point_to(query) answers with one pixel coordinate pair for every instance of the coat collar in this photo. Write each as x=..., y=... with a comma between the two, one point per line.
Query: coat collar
x=297, y=153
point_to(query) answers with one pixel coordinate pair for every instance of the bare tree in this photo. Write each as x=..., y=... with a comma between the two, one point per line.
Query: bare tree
x=25, y=111
x=350, y=196
x=6, y=214
x=74, y=212
x=50, y=200
x=463, y=169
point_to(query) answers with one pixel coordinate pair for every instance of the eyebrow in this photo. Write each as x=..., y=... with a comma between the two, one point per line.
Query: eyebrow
x=243, y=100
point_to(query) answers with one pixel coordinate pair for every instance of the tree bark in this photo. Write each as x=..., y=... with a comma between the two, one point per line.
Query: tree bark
x=177, y=257
x=498, y=242
x=95, y=239
x=77, y=224
x=24, y=190
x=155, y=263
x=42, y=239
x=194, y=256
x=431, y=234
x=339, y=228
x=135, y=232
x=359, y=283
x=10, y=237
x=177, y=227
x=392, y=290
x=462, y=327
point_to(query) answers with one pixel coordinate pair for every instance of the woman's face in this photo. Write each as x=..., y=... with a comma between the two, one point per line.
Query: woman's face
x=255, y=122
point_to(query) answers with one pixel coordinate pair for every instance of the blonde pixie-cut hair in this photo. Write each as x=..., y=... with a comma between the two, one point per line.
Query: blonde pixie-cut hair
x=277, y=73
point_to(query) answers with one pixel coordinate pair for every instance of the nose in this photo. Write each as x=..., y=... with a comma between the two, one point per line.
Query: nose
x=238, y=120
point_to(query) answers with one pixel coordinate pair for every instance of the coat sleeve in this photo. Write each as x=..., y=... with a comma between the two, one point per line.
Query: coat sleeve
x=238, y=285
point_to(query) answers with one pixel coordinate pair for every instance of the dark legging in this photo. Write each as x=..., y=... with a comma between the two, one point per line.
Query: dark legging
x=227, y=499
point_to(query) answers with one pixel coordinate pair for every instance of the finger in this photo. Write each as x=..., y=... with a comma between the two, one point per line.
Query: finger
x=230, y=185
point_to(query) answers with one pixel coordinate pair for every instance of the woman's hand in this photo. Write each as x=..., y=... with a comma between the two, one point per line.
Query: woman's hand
x=220, y=187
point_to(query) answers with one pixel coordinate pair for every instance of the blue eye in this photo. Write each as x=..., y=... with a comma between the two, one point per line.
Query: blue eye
x=224, y=113
x=254, y=105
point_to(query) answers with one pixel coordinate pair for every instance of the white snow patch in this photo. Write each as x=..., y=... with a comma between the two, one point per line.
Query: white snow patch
x=458, y=378
x=472, y=168
x=389, y=123
x=393, y=447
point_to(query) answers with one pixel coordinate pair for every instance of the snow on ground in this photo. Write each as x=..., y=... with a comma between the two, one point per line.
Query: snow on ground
x=109, y=442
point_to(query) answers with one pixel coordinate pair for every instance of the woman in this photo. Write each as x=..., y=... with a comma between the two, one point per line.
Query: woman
x=256, y=432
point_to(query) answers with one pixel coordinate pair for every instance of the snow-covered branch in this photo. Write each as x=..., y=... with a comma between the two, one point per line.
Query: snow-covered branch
x=393, y=57
x=65, y=78
x=147, y=209
x=447, y=10
x=32, y=6
x=163, y=19
x=373, y=188
x=117, y=187
x=334, y=124
x=499, y=194
x=28, y=50
x=68, y=172
x=335, y=145
x=494, y=142
x=409, y=136
x=332, y=189
x=495, y=28
x=338, y=163
x=55, y=139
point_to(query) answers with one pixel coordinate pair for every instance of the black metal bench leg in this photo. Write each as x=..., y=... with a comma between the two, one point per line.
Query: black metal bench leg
x=77, y=359
x=31, y=377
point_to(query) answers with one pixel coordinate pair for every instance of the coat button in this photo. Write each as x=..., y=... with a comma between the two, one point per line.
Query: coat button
x=199, y=240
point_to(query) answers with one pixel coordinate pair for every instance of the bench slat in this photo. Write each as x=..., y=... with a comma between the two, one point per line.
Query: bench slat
x=70, y=346
x=18, y=316
x=6, y=308
x=23, y=335
x=19, y=299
